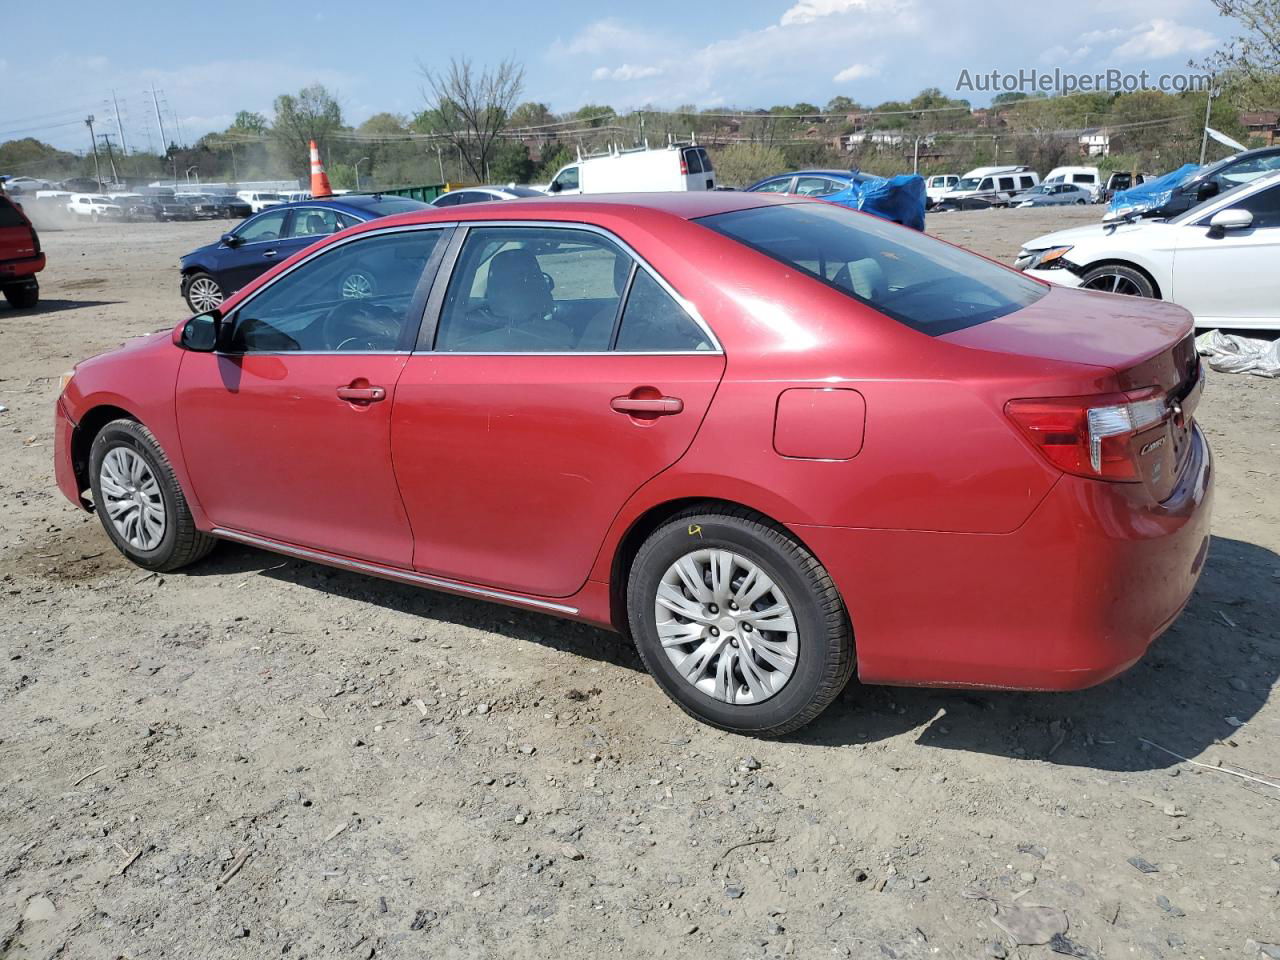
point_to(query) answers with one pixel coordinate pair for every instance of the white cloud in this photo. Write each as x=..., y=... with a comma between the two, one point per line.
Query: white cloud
x=1060, y=55
x=806, y=11
x=855, y=72
x=625, y=72
x=1164, y=38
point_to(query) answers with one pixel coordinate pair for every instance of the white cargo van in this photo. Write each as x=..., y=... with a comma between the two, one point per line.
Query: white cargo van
x=993, y=185
x=1087, y=178
x=676, y=167
x=937, y=185
x=259, y=200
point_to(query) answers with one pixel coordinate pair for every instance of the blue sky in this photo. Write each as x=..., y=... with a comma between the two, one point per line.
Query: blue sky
x=660, y=52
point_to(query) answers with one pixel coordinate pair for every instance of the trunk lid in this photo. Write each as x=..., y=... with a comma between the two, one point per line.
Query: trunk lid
x=1147, y=344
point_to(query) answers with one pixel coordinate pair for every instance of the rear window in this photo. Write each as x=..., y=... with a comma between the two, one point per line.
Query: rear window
x=706, y=161
x=387, y=206
x=692, y=161
x=9, y=215
x=924, y=283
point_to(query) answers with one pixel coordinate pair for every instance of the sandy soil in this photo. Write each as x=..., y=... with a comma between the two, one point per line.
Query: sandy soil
x=411, y=774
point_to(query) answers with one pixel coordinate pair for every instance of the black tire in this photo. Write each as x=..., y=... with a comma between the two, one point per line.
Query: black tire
x=205, y=279
x=181, y=544
x=1118, y=278
x=23, y=296
x=825, y=658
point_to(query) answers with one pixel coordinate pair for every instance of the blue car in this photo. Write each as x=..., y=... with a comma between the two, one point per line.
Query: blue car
x=900, y=199
x=213, y=272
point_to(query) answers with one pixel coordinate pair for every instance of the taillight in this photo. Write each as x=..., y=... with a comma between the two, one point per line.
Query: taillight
x=1091, y=436
x=684, y=166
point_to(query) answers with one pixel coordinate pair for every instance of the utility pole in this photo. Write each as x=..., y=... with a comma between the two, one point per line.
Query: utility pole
x=915, y=161
x=440, y=161
x=164, y=141
x=106, y=142
x=1204, y=136
x=93, y=142
x=124, y=148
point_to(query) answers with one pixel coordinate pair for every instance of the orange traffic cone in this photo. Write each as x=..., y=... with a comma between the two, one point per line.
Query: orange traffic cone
x=319, y=179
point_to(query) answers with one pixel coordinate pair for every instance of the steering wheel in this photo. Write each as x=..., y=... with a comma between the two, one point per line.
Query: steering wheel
x=361, y=325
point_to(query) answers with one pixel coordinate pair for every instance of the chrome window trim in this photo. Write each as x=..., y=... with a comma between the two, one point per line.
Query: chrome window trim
x=433, y=261
x=392, y=573
x=444, y=275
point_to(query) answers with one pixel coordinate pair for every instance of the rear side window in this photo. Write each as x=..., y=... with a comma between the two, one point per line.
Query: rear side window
x=1082, y=178
x=1006, y=183
x=1027, y=182
x=924, y=283
x=652, y=321
x=9, y=215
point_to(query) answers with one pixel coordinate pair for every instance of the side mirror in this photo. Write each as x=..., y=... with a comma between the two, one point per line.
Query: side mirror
x=556, y=186
x=231, y=240
x=201, y=333
x=1206, y=190
x=1233, y=219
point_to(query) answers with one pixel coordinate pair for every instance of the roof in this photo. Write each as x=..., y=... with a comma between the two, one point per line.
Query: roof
x=1261, y=118
x=686, y=205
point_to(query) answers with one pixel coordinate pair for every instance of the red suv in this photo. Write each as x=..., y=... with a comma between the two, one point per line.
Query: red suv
x=771, y=439
x=20, y=256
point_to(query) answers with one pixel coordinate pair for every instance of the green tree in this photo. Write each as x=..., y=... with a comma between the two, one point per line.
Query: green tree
x=1251, y=59
x=313, y=114
x=742, y=164
x=596, y=115
x=471, y=107
x=511, y=163
x=249, y=122
x=530, y=114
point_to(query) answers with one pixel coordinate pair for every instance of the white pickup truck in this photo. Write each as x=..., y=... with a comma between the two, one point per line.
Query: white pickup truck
x=94, y=207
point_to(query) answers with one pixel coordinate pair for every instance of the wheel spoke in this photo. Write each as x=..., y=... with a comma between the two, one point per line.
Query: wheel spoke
x=691, y=576
x=675, y=601
x=675, y=634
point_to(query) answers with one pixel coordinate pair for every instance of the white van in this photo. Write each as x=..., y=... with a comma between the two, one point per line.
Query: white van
x=259, y=200
x=677, y=167
x=993, y=185
x=1087, y=178
x=936, y=186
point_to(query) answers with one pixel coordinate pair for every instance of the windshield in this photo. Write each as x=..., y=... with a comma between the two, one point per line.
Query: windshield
x=921, y=282
x=968, y=183
x=387, y=206
x=269, y=196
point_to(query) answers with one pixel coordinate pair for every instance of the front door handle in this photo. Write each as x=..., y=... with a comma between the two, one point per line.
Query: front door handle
x=362, y=394
x=652, y=406
x=269, y=253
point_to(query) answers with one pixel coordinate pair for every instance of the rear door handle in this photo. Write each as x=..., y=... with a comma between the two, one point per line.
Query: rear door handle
x=658, y=406
x=362, y=394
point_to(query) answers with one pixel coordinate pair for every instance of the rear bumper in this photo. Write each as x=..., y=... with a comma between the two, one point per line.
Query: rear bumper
x=1070, y=599
x=21, y=269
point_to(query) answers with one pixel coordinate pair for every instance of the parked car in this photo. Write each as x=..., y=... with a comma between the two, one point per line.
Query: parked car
x=173, y=209
x=738, y=427
x=994, y=186
x=484, y=194
x=1211, y=259
x=677, y=167
x=213, y=272
x=202, y=206
x=20, y=256
x=1053, y=195
x=229, y=205
x=1087, y=178
x=137, y=207
x=259, y=200
x=19, y=185
x=1197, y=185
x=900, y=199
x=94, y=207
x=939, y=184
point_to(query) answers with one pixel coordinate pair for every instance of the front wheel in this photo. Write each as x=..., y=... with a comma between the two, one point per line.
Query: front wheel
x=139, y=501
x=1117, y=278
x=738, y=622
x=203, y=293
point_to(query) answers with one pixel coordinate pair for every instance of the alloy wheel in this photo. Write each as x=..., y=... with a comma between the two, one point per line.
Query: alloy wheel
x=357, y=286
x=726, y=626
x=204, y=294
x=1113, y=283
x=131, y=498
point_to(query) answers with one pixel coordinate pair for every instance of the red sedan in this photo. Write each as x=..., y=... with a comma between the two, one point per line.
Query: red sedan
x=770, y=439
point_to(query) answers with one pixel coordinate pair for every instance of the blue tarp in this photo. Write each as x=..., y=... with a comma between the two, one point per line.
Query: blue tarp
x=1152, y=194
x=900, y=198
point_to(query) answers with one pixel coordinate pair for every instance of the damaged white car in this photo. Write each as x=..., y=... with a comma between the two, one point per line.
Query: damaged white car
x=1217, y=260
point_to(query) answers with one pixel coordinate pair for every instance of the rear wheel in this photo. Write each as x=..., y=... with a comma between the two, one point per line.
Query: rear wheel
x=23, y=296
x=1117, y=278
x=203, y=293
x=139, y=501
x=738, y=623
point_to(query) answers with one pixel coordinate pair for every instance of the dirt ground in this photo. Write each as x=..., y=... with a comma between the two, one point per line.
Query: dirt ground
x=416, y=775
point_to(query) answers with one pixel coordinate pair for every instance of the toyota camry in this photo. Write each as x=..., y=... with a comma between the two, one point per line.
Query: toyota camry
x=773, y=441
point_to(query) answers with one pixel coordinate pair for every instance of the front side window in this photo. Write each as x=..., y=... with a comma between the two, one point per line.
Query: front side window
x=533, y=290
x=1264, y=205
x=780, y=185
x=269, y=226
x=353, y=298
x=566, y=179
x=926, y=284
x=985, y=184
